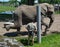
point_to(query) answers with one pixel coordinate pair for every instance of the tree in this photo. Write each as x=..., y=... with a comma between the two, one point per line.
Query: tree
x=30, y=2
x=14, y=2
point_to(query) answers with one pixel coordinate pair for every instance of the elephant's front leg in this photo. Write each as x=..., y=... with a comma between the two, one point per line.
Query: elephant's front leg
x=44, y=33
x=46, y=25
x=51, y=20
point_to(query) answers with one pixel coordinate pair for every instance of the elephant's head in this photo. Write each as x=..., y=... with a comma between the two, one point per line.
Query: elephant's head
x=47, y=8
x=50, y=8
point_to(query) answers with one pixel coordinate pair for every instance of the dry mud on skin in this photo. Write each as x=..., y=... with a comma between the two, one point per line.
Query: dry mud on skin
x=55, y=26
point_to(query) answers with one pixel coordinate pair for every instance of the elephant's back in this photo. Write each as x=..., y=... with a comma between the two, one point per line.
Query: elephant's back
x=29, y=11
x=18, y=10
x=25, y=8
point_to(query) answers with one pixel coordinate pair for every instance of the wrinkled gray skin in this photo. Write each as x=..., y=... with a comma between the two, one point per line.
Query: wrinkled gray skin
x=25, y=14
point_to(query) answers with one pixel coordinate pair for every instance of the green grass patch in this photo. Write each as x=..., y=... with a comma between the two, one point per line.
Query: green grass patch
x=57, y=12
x=52, y=40
x=6, y=8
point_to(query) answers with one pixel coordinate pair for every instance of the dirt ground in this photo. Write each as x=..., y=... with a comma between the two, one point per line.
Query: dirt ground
x=54, y=28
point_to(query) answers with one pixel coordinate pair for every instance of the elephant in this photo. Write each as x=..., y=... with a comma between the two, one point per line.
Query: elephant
x=25, y=14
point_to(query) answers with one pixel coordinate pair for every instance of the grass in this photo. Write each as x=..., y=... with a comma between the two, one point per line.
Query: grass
x=57, y=12
x=52, y=40
x=6, y=8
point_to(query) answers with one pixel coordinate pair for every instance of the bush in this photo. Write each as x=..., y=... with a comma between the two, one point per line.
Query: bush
x=6, y=8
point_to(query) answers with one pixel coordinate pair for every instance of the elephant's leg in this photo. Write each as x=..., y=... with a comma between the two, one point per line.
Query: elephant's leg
x=8, y=27
x=43, y=23
x=19, y=23
x=16, y=22
x=18, y=29
x=51, y=20
x=44, y=33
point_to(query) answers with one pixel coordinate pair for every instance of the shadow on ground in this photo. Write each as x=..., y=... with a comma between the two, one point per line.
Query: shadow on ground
x=25, y=40
x=57, y=32
x=14, y=34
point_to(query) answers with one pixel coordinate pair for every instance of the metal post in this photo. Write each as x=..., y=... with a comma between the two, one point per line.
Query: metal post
x=39, y=23
x=36, y=1
x=38, y=8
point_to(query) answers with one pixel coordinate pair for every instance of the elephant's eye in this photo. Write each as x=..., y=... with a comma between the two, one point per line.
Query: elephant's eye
x=49, y=7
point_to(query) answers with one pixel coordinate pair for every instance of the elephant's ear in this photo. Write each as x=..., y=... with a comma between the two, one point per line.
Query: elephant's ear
x=50, y=8
x=43, y=9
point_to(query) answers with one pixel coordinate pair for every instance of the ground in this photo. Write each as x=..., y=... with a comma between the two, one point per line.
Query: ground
x=54, y=28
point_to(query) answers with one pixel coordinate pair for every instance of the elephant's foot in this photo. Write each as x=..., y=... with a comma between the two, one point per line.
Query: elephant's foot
x=18, y=29
x=46, y=29
x=44, y=33
x=7, y=27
